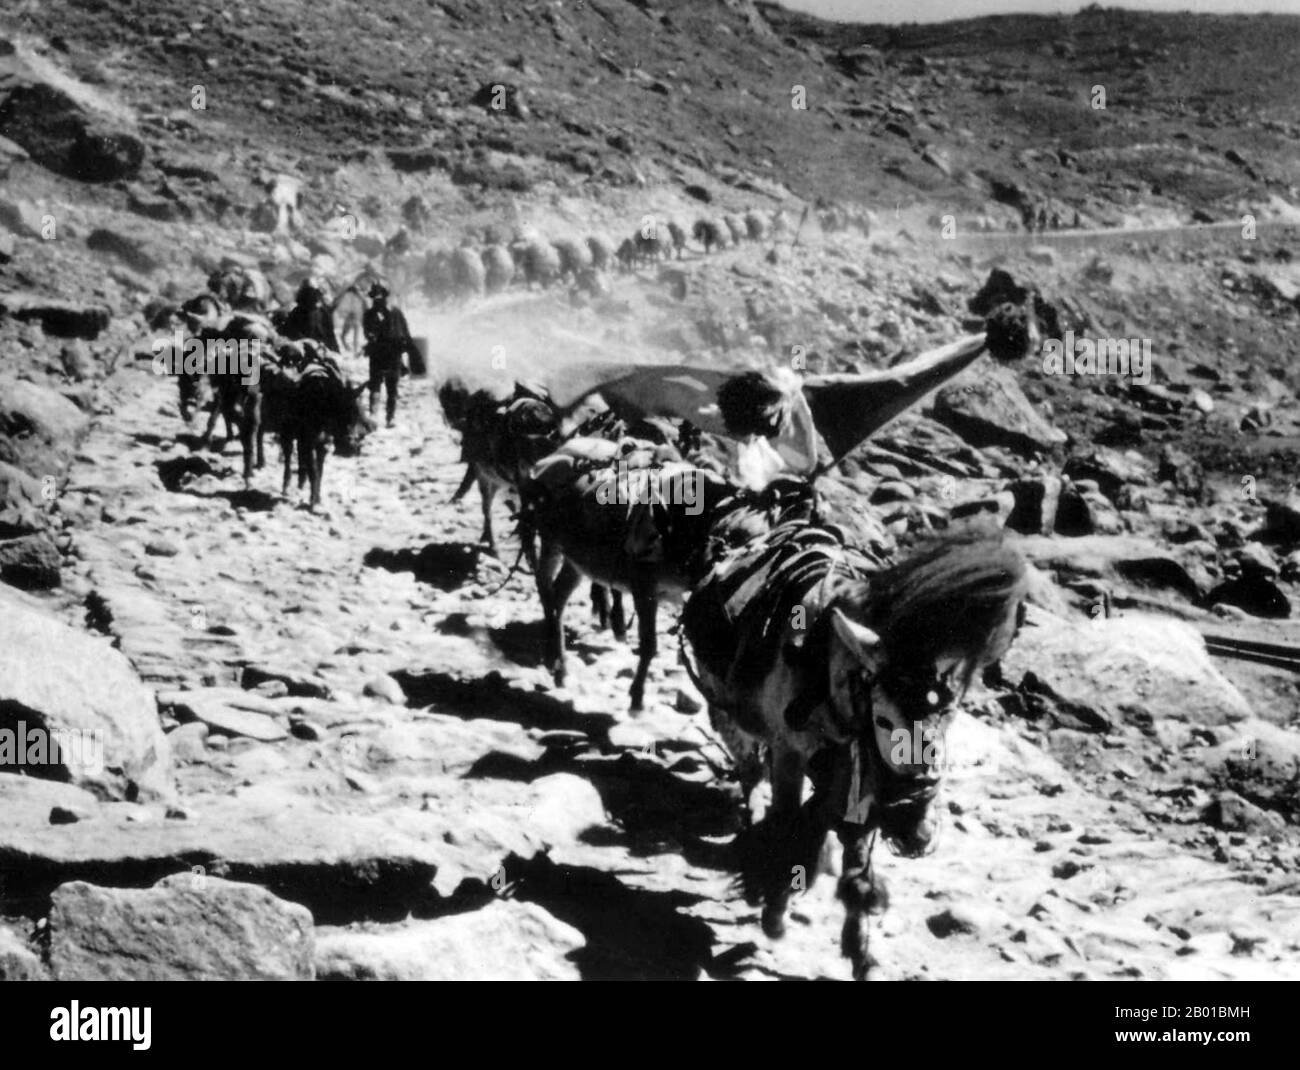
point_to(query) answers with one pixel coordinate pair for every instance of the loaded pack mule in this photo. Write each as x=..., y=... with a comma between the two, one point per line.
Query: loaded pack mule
x=630, y=516
x=501, y=441
x=816, y=662
x=309, y=406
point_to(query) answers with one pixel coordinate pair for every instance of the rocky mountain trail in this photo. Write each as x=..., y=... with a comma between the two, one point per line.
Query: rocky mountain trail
x=591, y=843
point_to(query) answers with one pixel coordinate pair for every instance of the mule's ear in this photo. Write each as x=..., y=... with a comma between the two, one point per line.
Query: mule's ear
x=857, y=637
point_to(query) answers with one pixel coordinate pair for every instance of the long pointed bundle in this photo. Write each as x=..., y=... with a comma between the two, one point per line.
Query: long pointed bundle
x=849, y=408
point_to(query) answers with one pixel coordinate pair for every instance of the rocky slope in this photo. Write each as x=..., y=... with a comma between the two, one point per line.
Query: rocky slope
x=347, y=711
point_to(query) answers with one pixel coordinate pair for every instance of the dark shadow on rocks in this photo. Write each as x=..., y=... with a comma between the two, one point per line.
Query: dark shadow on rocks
x=493, y=698
x=251, y=499
x=522, y=641
x=446, y=566
x=191, y=440
x=656, y=807
x=632, y=934
x=498, y=765
x=176, y=472
x=519, y=641
x=1256, y=595
x=339, y=892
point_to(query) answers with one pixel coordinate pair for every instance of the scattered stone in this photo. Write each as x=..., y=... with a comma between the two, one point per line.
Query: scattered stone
x=188, y=741
x=562, y=806
x=301, y=685
x=1082, y=511
x=1035, y=507
x=386, y=688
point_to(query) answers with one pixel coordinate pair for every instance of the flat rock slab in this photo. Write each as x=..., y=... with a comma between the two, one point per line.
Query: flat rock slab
x=185, y=928
x=229, y=719
x=505, y=941
x=339, y=865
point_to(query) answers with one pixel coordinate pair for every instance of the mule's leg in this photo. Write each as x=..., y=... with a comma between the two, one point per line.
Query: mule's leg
x=248, y=440
x=217, y=407
x=563, y=586
x=782, y=821
x=617, y=619
x=250, y=434
x=286, y=448
x=487, y=492
x=470, y=479
x=260, y=433
x=546, y=568
x=600, y=605
x=646, y=604
x=319, y=449
x=862, y=892
x=304, y=460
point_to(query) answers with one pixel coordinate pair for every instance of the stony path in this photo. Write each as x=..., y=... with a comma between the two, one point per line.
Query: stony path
x=617, y=827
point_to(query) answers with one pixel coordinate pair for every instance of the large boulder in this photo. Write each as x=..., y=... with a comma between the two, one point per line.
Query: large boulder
x=66, y=126
x=30, y=563
x=138, y=252
x=22, y=502
x=988, y=408
x=57, y=683
x=187, y=927
x=1109, y=671
x=39, y=428
x=57, y=317
x=505, y=941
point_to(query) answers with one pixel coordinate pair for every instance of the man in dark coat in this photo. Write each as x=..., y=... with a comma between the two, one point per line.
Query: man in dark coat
x=388, y=339
x=310, y=318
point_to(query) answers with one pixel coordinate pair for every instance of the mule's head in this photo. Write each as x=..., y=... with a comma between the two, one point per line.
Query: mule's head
x=355, y=423
x=901, y=660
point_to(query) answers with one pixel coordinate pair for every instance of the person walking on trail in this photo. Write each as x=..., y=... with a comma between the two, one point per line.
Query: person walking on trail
x=310, y=318
x=388, y=339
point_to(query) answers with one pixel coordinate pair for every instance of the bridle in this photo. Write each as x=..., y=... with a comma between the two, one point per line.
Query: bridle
x=889, y=790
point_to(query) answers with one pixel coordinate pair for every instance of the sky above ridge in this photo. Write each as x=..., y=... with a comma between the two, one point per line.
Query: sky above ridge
x=943, y=10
